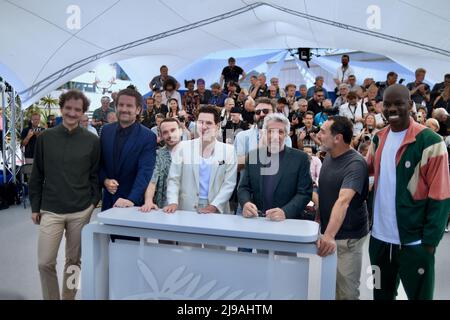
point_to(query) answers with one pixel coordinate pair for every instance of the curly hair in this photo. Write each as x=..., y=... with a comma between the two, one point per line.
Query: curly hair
x=74, y=94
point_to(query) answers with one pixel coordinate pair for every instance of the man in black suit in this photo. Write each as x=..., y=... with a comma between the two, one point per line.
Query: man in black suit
x=276, y=182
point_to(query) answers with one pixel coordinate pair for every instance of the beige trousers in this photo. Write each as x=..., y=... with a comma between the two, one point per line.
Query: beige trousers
x=349, y=264
x=51, y=230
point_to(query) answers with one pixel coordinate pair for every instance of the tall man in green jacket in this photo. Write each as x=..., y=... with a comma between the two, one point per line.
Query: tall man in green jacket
x=411, y=200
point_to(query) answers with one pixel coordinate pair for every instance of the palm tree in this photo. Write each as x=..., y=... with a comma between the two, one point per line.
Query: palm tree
x=49, y=102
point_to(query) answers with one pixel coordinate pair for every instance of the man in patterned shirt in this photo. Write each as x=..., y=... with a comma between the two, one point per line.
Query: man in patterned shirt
x=155, y=195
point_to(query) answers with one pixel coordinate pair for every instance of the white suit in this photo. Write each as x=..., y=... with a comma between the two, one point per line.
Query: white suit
x=183, y=180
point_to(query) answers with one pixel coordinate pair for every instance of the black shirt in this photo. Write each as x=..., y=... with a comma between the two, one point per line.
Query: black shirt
x=149, y=119
x=204, y=97
x=240, y=104
x=122, y=135
x=162, y=109
x=263, y=91
x=294, y=127
x=233, y=129
x=443, y=129
x=231, y=74
x=438, y=88
x=248, y=117
x=443, y=104
x=314, y=106
x=417, y=97
x=29, y=148
x=348, y=171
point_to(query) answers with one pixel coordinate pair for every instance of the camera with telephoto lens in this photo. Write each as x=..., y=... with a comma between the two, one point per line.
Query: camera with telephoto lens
x=313, y=130
x=297, y=115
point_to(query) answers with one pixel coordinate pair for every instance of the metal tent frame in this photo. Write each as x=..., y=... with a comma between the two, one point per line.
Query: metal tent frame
x=12, y=118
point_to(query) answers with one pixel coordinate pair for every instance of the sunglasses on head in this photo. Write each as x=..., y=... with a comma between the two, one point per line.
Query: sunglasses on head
x=258, y=112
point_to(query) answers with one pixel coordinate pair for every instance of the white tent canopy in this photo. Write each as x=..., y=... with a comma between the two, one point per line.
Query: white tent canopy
x=279, y=63
x=38, y=51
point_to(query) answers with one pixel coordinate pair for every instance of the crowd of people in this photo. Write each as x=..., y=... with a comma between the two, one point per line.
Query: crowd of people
x=375, y=158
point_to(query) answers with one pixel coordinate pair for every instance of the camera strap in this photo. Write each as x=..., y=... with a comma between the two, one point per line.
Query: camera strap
x=343, y=74
x=353, y=111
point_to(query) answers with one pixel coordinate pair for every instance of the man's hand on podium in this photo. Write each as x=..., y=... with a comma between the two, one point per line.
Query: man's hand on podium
x=249, y=210
x=276, y=214
x=171, y=208
x=208, y=209
x=326, y=245
x=148, y=207
x=123, y=203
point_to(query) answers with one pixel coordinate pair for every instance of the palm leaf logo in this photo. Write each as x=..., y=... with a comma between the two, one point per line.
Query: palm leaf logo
x=176, y=281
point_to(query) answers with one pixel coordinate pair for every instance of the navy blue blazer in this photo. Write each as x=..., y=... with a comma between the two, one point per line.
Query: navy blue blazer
x=135, y=167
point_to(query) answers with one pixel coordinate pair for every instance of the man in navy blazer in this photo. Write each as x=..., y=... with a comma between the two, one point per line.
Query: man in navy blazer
x=128, y=155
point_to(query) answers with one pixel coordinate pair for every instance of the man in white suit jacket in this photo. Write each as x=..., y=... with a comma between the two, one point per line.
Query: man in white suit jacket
x=203, y=172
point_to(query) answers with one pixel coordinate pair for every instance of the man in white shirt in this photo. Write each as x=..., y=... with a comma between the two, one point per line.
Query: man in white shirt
x=355, y=111
x=343, y=71
x=202, y=175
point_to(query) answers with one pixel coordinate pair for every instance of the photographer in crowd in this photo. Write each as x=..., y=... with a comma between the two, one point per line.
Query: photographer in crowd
x=306, y=136
x=29, y=135
x=367, y=133
x=419, y=90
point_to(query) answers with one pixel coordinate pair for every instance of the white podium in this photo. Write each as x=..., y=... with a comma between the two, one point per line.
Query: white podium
x=148, y=269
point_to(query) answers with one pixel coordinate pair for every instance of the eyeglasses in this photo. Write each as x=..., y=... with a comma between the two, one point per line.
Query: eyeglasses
x=258, y=112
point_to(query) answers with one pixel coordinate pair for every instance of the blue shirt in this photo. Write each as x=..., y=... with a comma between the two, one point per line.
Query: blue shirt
x=218, y=100
x=320, y=118
x=205, y=176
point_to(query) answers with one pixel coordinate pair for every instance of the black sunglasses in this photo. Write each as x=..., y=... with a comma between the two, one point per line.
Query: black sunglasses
x=258, y=112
